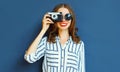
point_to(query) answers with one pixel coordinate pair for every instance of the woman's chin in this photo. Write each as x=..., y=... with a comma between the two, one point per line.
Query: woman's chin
x=63, y=28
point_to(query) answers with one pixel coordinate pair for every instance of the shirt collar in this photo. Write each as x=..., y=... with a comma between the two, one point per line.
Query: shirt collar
x=69, y=40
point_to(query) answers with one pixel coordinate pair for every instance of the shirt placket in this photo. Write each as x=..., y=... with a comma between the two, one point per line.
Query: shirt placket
x=62, y=60
x=63, y=56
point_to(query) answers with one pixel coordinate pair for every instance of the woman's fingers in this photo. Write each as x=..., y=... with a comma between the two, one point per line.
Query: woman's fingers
x=46, y=21
x=46, y=16
x=49, y=20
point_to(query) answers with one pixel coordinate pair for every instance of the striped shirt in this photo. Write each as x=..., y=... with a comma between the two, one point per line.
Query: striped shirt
x=69, y=58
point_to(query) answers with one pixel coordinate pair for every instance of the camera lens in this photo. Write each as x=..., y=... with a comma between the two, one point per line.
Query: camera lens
x=54, y=17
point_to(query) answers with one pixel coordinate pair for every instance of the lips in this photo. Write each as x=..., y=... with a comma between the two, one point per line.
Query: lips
x=63, y=24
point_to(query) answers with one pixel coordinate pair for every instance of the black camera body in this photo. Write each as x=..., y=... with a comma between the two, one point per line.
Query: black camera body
x=55, y=16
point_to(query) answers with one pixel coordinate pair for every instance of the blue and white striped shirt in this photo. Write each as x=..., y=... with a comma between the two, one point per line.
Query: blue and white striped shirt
x=70, y=58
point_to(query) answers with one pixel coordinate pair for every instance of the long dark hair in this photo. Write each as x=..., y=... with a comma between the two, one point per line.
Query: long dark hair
x=53, y=29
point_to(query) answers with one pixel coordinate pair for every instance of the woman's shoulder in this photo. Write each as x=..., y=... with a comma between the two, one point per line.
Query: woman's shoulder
x=81, y=42
x=44, y=38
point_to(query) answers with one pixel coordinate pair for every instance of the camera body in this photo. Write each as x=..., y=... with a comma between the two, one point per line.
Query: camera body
x=55, y=16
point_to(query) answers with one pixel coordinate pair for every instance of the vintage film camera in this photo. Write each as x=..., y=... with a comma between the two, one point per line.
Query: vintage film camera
x=55, y=16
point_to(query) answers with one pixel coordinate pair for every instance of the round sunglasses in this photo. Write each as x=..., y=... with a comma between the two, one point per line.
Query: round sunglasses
x=67, y=17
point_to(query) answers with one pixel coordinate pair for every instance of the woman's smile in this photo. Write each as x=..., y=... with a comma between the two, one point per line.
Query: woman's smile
x=63, y=24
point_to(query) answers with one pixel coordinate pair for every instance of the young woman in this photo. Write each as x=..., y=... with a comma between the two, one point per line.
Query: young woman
x=62, y=49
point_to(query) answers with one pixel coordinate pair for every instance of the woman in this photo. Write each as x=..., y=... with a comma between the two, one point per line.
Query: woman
x=62, y=49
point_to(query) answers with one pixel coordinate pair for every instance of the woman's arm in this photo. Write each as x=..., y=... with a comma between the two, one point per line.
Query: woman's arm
x=45, y=25
x=32, y=48
x=36, y=49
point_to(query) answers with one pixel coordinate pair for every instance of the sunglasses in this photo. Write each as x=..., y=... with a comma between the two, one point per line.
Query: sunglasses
x=58, y=16
x=67, y=17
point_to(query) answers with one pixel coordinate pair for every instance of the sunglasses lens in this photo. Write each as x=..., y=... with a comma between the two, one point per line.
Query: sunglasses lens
x=68, y=17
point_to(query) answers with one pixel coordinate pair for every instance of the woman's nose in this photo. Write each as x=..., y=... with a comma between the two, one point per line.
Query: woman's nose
x=63, y=19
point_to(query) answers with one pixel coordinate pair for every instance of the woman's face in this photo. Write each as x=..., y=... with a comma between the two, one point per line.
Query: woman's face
x=65, y=23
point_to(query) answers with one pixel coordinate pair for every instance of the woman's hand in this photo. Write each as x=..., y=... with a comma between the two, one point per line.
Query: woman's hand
x=46, y=22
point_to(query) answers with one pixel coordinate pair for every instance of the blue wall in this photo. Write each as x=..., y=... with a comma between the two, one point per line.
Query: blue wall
x=98, y=22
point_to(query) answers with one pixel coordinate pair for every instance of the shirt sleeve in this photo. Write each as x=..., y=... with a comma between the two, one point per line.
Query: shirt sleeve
x=33, y=57
x=82, y=58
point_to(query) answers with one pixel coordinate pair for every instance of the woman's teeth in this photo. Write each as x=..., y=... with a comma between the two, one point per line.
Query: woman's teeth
x=63, y=24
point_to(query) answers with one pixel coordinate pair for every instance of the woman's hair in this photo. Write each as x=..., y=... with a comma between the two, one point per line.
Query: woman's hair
x=53, y=29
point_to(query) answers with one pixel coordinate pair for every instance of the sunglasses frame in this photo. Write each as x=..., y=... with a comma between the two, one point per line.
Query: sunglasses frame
x=67, y=17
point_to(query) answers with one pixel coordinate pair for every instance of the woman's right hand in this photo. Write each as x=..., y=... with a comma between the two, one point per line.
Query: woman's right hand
x=46, y=22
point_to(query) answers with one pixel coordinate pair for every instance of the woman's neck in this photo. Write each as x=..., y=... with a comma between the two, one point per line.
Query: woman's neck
x=63, y=34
